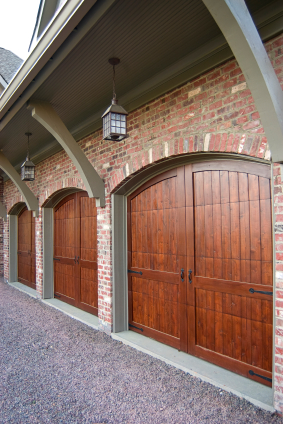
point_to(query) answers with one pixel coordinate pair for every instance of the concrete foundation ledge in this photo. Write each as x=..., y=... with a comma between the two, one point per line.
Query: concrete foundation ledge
x=71, y=311
x=257, y=394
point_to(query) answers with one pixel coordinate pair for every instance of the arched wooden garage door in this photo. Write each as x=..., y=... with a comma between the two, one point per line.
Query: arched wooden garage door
x=200, y=263
x=26, y=248
x=75, y=252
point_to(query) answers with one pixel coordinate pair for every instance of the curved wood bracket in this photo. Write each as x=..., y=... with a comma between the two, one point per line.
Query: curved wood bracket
x=29, y=198
x=236, y=24
x=48, y=118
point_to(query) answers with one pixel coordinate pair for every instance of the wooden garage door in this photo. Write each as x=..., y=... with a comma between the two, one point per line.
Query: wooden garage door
x=226, y=256
x=26, y=248
x=75, y=252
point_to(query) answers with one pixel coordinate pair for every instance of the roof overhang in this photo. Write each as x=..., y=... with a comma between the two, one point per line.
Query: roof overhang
x=69, y=66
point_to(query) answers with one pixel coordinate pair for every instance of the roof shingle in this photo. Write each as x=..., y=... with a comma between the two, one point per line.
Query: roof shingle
x=9, y=64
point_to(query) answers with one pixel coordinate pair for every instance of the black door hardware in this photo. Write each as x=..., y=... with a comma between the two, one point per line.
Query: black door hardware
x=56, y=259
x=261, y=376
x=131, y=325
x=190, y=276
x=182, y=274
x=134, y=272
x=260, y=291
x=56, y=295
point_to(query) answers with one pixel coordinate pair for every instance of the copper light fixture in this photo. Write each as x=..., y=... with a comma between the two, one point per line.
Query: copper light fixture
x=115, y=117
x=27, y=168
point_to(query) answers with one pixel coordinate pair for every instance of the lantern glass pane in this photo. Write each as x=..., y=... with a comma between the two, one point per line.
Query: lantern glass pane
x=123, y=118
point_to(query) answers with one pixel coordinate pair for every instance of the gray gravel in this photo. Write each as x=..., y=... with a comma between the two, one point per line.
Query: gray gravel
x=54, y=369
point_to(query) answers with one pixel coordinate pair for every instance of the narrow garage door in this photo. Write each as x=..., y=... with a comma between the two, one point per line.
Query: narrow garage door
x=26, y=248
x=75, y=252
x=213, y=260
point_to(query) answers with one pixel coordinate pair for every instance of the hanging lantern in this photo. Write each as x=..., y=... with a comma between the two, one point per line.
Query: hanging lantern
x=115, y=117
x=27, y=168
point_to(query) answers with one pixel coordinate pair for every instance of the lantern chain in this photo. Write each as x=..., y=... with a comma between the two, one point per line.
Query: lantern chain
x=28, y=134
x=114, y=85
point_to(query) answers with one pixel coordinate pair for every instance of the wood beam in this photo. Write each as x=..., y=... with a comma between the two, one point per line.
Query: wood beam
x=48, y=118
x=29, y=198
x=236, y=24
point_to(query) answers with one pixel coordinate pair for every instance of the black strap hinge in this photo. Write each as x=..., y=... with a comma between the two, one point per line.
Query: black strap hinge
x=56, y=259
x=134, y=272
x=260, y=291
x=261, y=376
x=131, y=325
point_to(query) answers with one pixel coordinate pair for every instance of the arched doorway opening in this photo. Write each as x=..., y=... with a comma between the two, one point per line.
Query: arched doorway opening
x=22, y=254
x=26, y=248
x=70, y=227
x=199, y=262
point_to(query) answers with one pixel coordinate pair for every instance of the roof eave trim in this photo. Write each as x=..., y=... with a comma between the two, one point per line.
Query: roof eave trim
x=56, y=33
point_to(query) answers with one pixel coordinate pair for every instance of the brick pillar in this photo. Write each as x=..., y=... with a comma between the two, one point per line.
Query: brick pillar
x=104, y=267
x=278, y=295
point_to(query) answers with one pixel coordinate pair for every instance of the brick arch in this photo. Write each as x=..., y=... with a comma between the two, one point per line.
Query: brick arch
x=239, y=145
x=16, y=208
x=140, y=175
x=58, y=195
x=72, y=183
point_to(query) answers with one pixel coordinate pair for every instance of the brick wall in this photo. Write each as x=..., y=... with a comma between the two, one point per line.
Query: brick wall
x=212, y=113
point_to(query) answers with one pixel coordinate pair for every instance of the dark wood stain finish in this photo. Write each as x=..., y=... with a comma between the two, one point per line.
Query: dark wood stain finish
x=75, y=252
x=26, y=248
x=214, y=219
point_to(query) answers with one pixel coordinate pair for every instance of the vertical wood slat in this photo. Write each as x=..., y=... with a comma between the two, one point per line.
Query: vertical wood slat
x=156, y=304
x=75, y=236
x=231, y=247
x=246, y=255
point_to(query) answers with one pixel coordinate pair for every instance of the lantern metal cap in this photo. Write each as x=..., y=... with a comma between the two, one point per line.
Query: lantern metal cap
x=27, y=162
x=115, y=108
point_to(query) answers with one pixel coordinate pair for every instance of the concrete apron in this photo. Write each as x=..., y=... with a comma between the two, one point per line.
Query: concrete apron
x=256, y=393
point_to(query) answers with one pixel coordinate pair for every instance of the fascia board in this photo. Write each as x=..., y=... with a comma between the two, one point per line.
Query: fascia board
x=56, y=33
x=3, y=82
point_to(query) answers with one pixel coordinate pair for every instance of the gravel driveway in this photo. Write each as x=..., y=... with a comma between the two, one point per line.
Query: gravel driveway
x=54, y=369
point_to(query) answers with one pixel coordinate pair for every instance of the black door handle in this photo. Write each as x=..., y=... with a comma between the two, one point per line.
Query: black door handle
x=182, y=274
x=190, y=276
